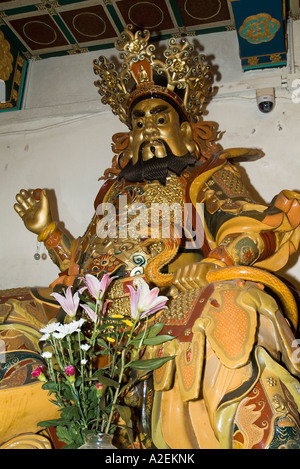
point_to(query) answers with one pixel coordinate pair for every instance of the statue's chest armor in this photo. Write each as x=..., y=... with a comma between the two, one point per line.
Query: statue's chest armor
x=130, y=213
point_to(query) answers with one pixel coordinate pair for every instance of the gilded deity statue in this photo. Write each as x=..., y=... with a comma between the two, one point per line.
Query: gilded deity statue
x=234, y=382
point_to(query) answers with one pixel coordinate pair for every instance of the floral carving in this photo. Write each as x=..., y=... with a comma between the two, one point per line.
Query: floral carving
x=6, y=58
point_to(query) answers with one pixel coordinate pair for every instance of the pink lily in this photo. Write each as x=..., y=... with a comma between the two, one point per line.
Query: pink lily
x=92, y=315
x=69, y=302
x=95, y=286
x=144, y=301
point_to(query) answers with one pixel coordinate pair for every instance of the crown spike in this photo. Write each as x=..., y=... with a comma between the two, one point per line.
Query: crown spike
x=187, y=78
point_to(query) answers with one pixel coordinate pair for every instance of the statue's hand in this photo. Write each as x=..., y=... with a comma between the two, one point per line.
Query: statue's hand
x=33, y=207
x=193, y=275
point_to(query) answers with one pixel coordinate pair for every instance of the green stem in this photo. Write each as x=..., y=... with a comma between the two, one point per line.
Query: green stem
x=77, y=402
x=70, y=350
x=121, y=371
x=82, y=385
x=57, y=353
x=131, y=332
x=58, y=396
x=116, y=395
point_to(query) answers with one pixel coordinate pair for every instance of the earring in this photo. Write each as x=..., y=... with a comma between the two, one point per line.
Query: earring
x=37, y=255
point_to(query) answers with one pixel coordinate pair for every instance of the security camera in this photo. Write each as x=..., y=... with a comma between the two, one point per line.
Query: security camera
x=265, y=99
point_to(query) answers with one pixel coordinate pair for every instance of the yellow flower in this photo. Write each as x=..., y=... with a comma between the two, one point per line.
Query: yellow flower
x=110, y=339
x=115, y=316
x=110, y=327
x=127, y=322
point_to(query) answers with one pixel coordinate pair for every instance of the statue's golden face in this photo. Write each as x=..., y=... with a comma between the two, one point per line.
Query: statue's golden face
x=155, y=121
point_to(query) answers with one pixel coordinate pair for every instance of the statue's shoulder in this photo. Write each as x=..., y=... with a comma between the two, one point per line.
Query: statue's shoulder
x=105, y=189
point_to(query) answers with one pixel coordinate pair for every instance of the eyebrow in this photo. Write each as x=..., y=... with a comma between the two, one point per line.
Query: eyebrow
x=138, y=113
x=158, y=109
x=155, y=110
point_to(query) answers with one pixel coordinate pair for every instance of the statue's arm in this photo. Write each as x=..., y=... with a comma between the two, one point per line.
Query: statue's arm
x=262, y=238
x=256, y=235
x=34, y=209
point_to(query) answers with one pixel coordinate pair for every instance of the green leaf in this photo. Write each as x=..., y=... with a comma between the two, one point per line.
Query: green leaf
x=150, y=364
x=50, y=386
x=91, y=304
x=71, y=446
x=125, y=414
x=102, y=343
x=64, y=434
x=70, y=412
x=104, y=379
x=160, y=339
x=154, y=330
x=78, y=382
x=54, y=402
x=92, y=396
x=52, y=423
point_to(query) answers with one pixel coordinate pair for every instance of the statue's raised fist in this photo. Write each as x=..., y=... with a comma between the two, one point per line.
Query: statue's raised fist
x=33, y=207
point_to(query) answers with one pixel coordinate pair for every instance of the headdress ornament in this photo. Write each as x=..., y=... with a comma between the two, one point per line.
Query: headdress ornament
x=187, y=77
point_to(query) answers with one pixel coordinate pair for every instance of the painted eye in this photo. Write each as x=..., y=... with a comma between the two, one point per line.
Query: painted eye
x=139, y=125
x=161, y=120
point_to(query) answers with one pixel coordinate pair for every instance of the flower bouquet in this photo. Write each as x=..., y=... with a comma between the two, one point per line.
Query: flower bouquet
x=93, y=362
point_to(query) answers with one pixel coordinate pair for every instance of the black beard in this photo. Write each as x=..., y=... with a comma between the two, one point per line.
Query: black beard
x=156, y=168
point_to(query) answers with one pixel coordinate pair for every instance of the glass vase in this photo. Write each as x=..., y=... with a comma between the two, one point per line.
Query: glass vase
x=98, y=441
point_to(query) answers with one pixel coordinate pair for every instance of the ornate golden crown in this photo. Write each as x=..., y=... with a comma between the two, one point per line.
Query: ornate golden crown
x=187, y=79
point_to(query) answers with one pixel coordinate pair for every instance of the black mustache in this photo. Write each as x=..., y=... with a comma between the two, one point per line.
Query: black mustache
x=156, y=168
x=158, y=140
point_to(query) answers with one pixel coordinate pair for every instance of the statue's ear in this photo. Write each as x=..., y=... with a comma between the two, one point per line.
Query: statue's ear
x=187, y=135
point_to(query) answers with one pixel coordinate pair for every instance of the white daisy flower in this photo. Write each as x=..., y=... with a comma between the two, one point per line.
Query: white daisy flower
x=70, y=328
x=51, y=327
x=45, y=337
x=46, y=355
x=59, y=335
x=85, y=347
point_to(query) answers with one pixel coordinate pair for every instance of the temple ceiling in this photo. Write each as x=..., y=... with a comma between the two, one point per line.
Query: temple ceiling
x=47, y=28
x=39, y=29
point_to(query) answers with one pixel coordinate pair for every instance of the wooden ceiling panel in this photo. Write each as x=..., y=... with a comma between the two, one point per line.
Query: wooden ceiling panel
x=88, y=25
x=203, y=12
x=153, y=15
x=46, y=28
